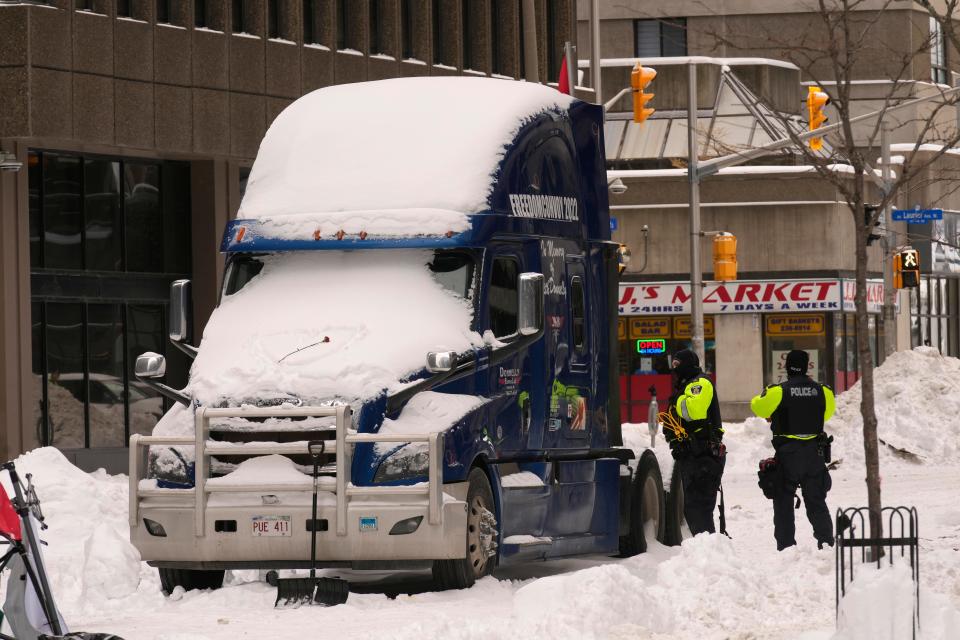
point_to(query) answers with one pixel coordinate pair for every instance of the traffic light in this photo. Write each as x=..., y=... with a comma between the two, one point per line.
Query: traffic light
x=640, y=77
x=724, y=257
x=906, y=269
x=816, y=101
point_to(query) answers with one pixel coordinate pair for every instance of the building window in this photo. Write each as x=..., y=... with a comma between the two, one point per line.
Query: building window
x=408, y=11
x=496, y=56
x=783, y=332
x=164, y=13
x=123, y=8
x=443, y=38
x=934, y=315
x=660, y=38
x=239, y=17
x=467, y=37
x=555, y=51
x=200, y=18
x=311, y=22
x=84, y=5
x=938, y=54
x=349, y=37
x=99, y=222
x=273, y=19
x=378, y=29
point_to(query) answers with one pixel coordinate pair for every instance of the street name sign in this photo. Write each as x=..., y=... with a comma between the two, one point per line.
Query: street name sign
x=917, y=215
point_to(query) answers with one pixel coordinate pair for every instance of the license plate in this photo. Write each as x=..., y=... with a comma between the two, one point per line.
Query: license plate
x=271, y=526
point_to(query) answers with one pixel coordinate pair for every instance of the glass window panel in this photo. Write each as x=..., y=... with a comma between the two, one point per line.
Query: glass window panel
x=143, y=222
x=647, y=38
x=777, y=347
x=101, y=196
x=175, y=184
x=34, y=179
x=62, y=213
x=503, y=297
x=36, y=379
x=105, y=392
x=673, y=35
x=850, y=341
x=144, y=333
x=934, y=338
x=66, y=388
x=872, y=337
x=839, y=355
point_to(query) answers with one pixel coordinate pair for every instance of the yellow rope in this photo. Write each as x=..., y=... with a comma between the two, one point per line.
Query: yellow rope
x=670, y=422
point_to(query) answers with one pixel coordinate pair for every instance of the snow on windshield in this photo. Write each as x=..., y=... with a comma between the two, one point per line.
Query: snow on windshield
x=407, y=156
x=328, y=325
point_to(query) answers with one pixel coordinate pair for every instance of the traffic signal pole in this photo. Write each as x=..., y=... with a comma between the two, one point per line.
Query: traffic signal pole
x=693, y=174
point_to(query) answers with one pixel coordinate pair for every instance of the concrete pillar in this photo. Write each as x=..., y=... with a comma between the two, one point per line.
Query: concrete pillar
x=18, y=401
x=210, y=185
x=739, y=362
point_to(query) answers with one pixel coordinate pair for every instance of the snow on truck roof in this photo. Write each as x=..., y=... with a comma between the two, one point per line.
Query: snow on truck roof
x=401, y=157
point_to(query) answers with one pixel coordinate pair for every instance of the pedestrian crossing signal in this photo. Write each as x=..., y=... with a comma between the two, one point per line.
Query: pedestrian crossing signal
x=816, y=101
x=906, y=269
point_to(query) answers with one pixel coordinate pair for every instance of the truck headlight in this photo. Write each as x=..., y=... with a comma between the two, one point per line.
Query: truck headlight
x=408, y=462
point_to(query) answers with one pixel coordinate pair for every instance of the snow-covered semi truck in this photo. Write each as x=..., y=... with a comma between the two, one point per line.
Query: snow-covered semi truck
x=420, y=281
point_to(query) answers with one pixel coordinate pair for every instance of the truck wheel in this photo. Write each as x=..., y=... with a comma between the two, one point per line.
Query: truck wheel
x=675, y=520
x=647, y=506
x=189, y=579
x=481, y=540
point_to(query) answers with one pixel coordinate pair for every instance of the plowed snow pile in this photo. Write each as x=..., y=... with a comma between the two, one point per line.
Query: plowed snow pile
x=710, y=588
x=917, y=397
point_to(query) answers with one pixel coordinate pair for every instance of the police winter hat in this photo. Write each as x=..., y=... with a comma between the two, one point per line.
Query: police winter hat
x=797, y=362
x=686, y=363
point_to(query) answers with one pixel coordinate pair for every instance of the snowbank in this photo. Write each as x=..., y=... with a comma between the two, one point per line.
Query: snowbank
x=421, y=151
x=362, y=322
x=917, y=396
x=89, y=554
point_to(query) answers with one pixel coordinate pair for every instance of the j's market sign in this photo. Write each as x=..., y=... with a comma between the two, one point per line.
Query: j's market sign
x=742, y=296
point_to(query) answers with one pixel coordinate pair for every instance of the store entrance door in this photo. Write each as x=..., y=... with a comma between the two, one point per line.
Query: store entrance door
x=784, y=332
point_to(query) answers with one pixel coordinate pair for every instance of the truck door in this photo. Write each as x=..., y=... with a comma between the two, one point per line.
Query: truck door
x=571, y=396
x=519, y=401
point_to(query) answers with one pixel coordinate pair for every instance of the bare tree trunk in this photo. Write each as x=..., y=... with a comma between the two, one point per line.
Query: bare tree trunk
x=865, y=358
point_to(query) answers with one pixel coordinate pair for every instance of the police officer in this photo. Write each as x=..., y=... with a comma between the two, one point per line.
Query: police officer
x=700, y=456
x=797, y=410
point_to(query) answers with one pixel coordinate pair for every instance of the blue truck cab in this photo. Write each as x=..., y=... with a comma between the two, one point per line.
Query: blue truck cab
x=420, y=283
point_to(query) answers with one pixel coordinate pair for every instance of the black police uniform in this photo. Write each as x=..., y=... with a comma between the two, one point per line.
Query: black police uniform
x=701, y=459
x=797, y=420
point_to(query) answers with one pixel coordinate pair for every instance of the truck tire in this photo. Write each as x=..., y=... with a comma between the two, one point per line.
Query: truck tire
x=647, y=506
x=675, y=519
x=189, y=579
x=481, y=539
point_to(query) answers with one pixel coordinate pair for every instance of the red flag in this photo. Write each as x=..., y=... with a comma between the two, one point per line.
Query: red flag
x=563, y=82
x=9, y=520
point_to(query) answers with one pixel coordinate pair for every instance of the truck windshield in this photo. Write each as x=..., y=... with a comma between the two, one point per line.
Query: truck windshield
x=453, y=270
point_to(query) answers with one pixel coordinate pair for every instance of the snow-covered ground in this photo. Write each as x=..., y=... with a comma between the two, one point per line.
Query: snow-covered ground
x=710, y=587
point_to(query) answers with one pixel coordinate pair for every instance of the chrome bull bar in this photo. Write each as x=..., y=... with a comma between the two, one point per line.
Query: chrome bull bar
x=346, y=437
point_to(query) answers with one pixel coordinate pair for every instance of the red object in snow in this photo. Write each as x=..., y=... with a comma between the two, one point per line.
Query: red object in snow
x=563, y=82
x=9, y=520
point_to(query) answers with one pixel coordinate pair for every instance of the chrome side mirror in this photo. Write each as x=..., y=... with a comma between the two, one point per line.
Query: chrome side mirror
x=150, y=365
x=181, y=316
x=530, y=294
x=441, y=361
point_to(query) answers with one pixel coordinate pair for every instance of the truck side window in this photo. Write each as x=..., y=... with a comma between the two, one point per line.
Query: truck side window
x=577, y=310
x=502, y=296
